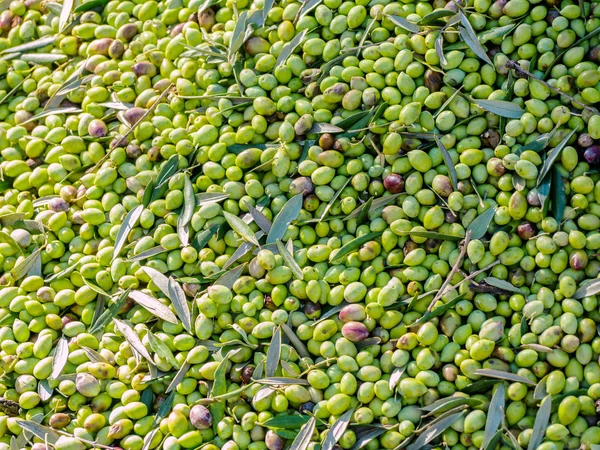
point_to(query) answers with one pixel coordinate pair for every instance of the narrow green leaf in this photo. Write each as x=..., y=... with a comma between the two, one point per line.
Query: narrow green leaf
x=148, y=193
x=153, y=306
x=558, y=196
x=59, y=360
x=8, y=239
x=187, y=211
x=179, y=376
x=434, y=431
x=553, y=156
x=129, y=223
x=133, y=339
x=33, y=45
x=162, y=350
x=206, y=198
x=512, y=441
x=274, y=353
x=32, y=263
x=202, y=238
x=67, y=7
x=229, y=277
x=219, y=387
x=395, y=377
x=290, y=47
x=288, y=213
x=108, y=314
x=41, y=432
x=404, y=23
x=93, y=355
x=502, y=284
x=337, y=430
x=468, y=35
x=148, y=253
x=44, y=390
x=92, y=4
x=242, y=250
x=352, y=246
x=280, y=381
x=492, y=373
x=364, y=438
x=237, y=37
x=495, y=414
x=174, y=292
x=287, y=421
x=259, y=218
x=42, y=58
x=94, y=287
x=544, y=192
x=481, y=223
x=432, y=235
x=167, y=170
x=436, y=15
x=541, y=423
x=587, y=289
x=302, y=441
x=439, y=310
x=241, y=228
x=296, y=342
x=319, y=128
x=501, y=108
x=334, y=198
x=376, y=205
x=446, y=404
x=289, y=260
x=540, y=390
x=347, y=123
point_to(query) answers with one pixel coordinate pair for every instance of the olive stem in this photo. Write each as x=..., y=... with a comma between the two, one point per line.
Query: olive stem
x=517, y=68
x=455, y=269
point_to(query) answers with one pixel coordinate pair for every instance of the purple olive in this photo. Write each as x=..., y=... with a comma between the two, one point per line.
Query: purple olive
x=312, y=310
x=394, y=183
x=585, y=140
x=134, y=114
x=206, y=19
x=144, y=68
x=355, y=331
x=526, y=230
x=133, y=151
x=200, y=417
x=302, y=185
x=352, y=312
x=59, y=420
x=97, y=128
x=433, y=80
x=442, y=185
x=273, y=441
x=490, y=138
x=592, y=154
x=58, y=205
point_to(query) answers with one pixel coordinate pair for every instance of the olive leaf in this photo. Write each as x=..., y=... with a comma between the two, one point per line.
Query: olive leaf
x=32, y=265
x=502, y=284
x=242, y=250
x=187, y=211
x=435, y=16
x=468, y=35
x=273, y=353
x=67, y=7
x=44, y=390
x=376, y=205
x=296, y=342
x=395, y=377
x=512, y=441
x=237, y=37
x=241, y=228
x=41, y=432
x=495, y=415
x=93, y=355
x=518, y=182
x=560, y=56
x=289, y=260
x=290, y=47
x=319, y=128
x=439, y=310
x=587, y=289
x=33, y=45
x=280, y=381
x=7, y=220
x=302, y=440
x=162, y=350
x=334, y=198
x=350, y=121
x=94, y=287
x=352, y=246
x=492, y=373
x=133, y=339
x=287, y=421
x=481, y=223
x=259, y=218
x=202, y=238
x=541, y=423
x=538, y=348
x=434, y=430
x=219, y=387
x=129, y=223
x=362, y=439
x=40, y=58
x=206, y=198
x=540, y=390
x=558, y=200
x=8, y=239
x=446, y=404
x=288, y=213
x=179, y=376
x=230, y=277
x=107, y=315
x=557, y=399
x=59, y=360
x=501, y=108
x=148, y=253
x=92, y=4
x=553, y=156
x=153, y=306
x=447, y=102
x=404, y=23
x=544, y=192
x=337, y=430
x=306, y=7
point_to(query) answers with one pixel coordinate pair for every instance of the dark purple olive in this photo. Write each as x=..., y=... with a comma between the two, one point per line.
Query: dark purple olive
x=144, y=68
x=34, y=162
x=490, y=138
x=273, y=441
x=312, y=310
x=394, y=183
x=578, y=260
x=355, y=331
x=269, y=304
x=352, y=312
x=133, y=151
x=433, y=80
x=307, y=407
x=594, y=54
x=97, y=128
x=247, y=373
x=6, y=18
x=200, y=417
x=526, y=230
x=592, y=154
x=58, y=205
x=585, y=140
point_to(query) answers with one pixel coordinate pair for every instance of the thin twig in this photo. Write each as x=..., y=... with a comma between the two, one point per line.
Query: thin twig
x=514, y=65
x=455, y=269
